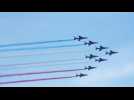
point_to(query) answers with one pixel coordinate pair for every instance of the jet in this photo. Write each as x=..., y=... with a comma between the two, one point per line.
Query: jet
x=100, y=60
x=89, y=67
x=110, y=53
x=91, y=56
x=89, y=43
x=79, y=38
x=81, y=75
x=100, y=48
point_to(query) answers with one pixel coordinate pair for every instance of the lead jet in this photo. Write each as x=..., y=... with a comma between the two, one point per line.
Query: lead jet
x=91, y=56
x=100, y=48
x=89, y=67
x=81, y=75
x=89, y=43
x=79, y=38
x=100, y=60
x=110, y=53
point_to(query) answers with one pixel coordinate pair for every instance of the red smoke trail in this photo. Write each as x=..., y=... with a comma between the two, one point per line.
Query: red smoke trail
x=33, y=80
x=42, y=72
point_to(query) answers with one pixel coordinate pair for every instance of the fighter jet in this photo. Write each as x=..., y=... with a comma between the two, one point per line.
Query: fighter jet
x=89, y=43
x=100, y=60
x=79, y=38
x=110, y=53
x=89, y=67
x=81, y=75
x=100, y=48
x=91, y=56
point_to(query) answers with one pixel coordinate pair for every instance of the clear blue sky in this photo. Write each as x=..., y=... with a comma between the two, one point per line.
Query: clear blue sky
x=114, y=30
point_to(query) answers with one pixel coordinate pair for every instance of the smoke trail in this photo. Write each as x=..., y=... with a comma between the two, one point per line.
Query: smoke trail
x=34, y=43
x=42, y=72
x=33, y=80
x=38, y=54
x=38, y=63
x=36, y=48
x=48, y=65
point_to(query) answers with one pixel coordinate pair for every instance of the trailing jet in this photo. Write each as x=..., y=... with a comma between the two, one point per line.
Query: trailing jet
x=89, y=43
x=89, y=67
x=91, y=56
x=79, y=38
x=100, y=60
x=100, y=48
x=110, y=53
x=81, y=75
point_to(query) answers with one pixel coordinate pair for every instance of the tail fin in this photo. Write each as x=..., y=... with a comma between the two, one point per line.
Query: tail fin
x=85, y=43
x=96, y=48
x=77, y=75
x=106, y=53
x=75, y=38
x=85, y=68
x=86, y=57
x=96, y=60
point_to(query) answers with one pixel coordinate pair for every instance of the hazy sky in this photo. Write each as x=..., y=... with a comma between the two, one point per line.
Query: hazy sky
x=114, y=30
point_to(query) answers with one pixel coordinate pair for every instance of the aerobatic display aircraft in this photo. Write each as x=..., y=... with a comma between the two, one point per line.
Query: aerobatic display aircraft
x=79, y=38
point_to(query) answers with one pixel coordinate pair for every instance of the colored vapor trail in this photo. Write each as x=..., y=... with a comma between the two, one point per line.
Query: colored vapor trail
x=37, y=63
x=50, y=61
x=36, y=48
x=34, y=43
x=41, y=72
x=39, y=79
x=38, y=54
x=45, y=65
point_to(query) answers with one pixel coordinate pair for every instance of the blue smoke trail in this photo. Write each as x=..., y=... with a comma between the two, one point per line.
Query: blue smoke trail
x=36, y=48
x=34, y=43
